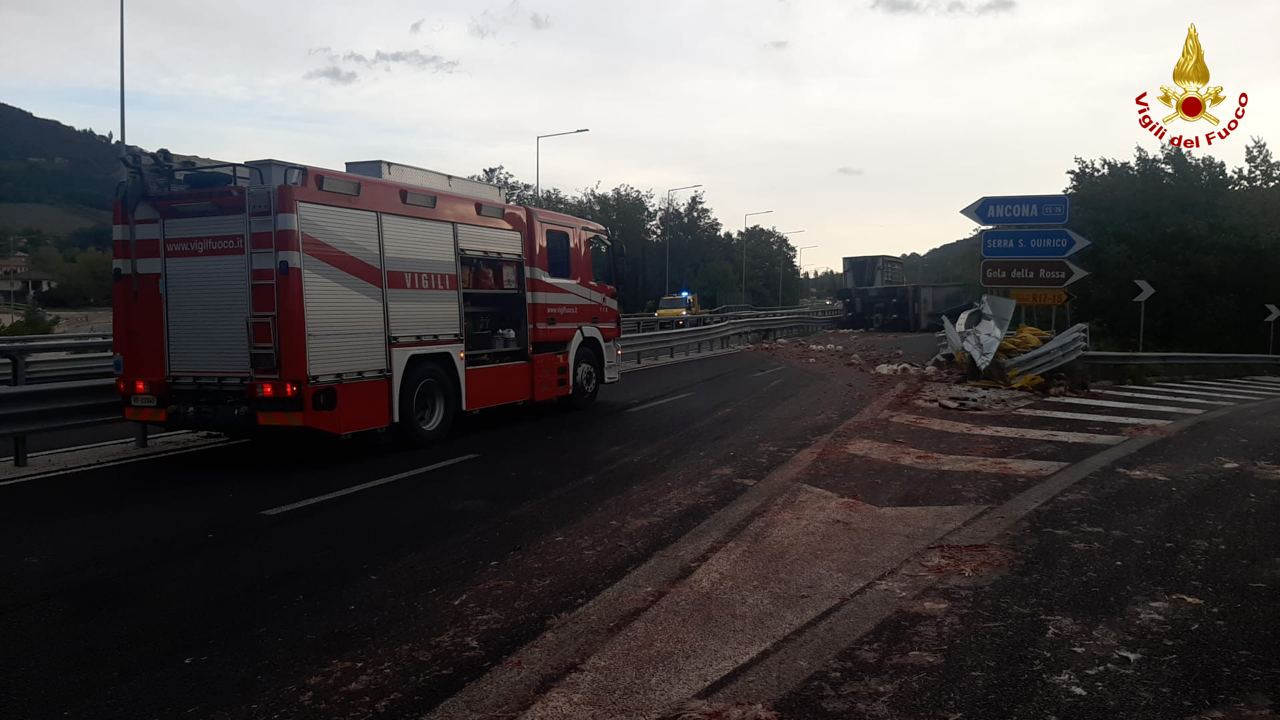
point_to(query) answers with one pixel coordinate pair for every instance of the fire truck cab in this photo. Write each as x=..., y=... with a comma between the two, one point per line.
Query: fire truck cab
x=276, y=294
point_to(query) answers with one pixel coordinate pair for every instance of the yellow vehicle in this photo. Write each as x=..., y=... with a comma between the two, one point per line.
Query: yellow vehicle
x=677, y=307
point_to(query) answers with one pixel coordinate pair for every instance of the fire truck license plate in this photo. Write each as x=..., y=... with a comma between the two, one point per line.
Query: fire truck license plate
x=144, y=400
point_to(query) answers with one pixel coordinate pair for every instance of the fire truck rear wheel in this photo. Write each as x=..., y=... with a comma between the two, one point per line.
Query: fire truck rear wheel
x=428, y=403
x=587, y=376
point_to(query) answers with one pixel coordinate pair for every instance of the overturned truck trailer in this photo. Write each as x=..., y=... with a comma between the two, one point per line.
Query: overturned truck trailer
x=903, y=308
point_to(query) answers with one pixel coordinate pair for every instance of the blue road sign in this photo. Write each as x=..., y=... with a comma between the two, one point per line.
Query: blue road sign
x=1018, y=210
x=1031, y=243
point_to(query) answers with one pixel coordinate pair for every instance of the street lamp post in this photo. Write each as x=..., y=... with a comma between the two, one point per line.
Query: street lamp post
x=666, y=282
x=744, y=250
x=537, y=158
x=781, y=264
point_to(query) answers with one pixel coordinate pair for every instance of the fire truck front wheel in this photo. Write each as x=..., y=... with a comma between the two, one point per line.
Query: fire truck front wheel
x=587, y=376
x=428, y=403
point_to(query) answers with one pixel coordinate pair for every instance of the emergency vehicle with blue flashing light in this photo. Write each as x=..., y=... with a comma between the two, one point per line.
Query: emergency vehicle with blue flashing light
x=678, y=307
x=270, y=293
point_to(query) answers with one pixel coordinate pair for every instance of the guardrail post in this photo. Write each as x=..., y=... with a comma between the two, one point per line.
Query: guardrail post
x=19, y=450
x=140, y=435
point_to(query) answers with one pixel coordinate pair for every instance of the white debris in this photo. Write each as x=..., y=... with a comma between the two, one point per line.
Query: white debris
x=831, y=347
x=1132, y=657
x=897, y=369
x=782, y=341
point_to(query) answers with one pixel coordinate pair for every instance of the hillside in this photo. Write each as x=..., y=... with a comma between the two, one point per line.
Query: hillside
x=54, y=178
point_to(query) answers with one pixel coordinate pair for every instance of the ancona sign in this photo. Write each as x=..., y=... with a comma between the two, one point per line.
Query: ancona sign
x=1193, y=102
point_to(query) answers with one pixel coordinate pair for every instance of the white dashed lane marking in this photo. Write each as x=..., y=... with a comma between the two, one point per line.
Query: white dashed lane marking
x=770, y=370
x=1125, y=405
x=365, y=486
x=1171, y=398
x=656, y=403
x=1090, y=417
x=1008, y=432
x=1237, y=386
x=1198, y=390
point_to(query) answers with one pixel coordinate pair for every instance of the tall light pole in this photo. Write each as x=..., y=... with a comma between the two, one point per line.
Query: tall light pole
x=537, y=157
x=123, y=150
x=666, y=283
x=744, y=250
x=781, y=264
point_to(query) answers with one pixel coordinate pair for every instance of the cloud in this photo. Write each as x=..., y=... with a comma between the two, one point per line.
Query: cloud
x=846, y=170
x=540, y=21
x=481, y=29
x=416, y=27
x=777, y=44
x=412, y=58
x=953, y=7
x=333, y=74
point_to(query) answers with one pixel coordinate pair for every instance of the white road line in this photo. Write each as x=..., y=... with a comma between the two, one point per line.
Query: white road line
x=775, y=382
x=1247, y=382
x=656, y=403
x=770, y=370
x=1125, y=405
x=99, y=466
x=366, y=486
x=1268, y=379
x=1242, y=387
x=1013, y=432
x=1091, y=417
x=91, y=446
x=1176, y=398
x=1192, y=390
x=911, y=457
x=1216, y=391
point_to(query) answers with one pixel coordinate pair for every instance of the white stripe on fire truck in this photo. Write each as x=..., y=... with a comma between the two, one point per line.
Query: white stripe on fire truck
x=571, y=287
x=287, y=221
x=293, y=257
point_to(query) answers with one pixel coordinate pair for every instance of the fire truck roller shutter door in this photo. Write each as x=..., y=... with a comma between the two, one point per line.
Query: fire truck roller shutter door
x=422, y=282
x=207, y=294
x=473, y=238
x=342, y=290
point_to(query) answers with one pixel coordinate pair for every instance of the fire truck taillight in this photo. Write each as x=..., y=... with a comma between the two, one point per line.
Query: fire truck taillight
x=122, y=387
x=141, y=387
x=271, y=390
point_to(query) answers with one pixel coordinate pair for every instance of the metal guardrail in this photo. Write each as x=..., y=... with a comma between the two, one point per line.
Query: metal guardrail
x=56, y=382
x=720, y=335
x=636, y=323
x=1120, y=358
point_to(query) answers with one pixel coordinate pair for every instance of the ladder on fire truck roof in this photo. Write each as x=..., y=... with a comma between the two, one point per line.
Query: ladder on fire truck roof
x=263, y=352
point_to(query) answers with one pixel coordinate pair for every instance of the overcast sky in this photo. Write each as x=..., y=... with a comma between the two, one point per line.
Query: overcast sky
x=868, y=123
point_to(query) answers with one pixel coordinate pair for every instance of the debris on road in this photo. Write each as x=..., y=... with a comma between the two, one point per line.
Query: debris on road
x=700, y=710
x=965, y=560
x=981, y=344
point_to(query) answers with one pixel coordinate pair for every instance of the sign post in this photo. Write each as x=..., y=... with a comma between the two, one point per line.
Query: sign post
x=1147, y=291
x=1275, y=313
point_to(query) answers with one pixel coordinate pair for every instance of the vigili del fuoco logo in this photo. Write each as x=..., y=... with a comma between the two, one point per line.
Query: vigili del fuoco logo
x=1194, y=100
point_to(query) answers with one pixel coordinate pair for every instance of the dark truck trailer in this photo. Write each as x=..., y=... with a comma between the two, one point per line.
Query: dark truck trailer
x=902, y=308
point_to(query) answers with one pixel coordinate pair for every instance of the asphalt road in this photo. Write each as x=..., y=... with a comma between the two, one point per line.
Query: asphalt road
x=1148, y=590
x=214, y=583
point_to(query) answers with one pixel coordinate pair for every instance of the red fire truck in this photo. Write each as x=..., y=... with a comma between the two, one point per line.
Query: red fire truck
x=275, y=294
